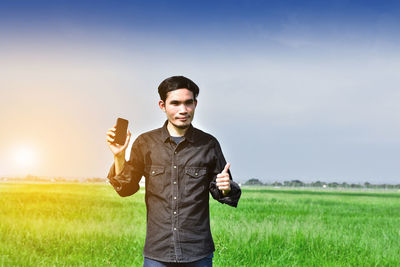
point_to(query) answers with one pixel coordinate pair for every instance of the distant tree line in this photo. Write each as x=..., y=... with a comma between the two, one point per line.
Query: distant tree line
x=33, y=178
x=298, y=183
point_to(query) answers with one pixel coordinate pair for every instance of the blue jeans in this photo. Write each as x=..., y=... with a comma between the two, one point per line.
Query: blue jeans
x=204, y=262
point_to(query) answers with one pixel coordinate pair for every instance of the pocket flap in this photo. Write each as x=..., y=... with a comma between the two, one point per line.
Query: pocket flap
x=156, y=170
x=196, y=171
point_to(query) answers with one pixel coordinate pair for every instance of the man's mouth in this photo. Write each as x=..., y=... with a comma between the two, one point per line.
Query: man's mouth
x=182, y=118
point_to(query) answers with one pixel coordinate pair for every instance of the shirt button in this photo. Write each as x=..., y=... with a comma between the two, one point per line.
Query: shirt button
x=153, y=172
x=174, y=182
x=175, y=152
x=174, y=197
x=174, y=166
x=174, y=212
x=196, y=174
x=174, y=229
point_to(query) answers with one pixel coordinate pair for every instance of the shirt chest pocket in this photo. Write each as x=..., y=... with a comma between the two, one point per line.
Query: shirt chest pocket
x=156, y=178
x=196, y=172
x=196, y=179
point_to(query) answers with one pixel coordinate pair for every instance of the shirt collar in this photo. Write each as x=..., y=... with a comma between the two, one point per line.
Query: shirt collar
x=189, y=135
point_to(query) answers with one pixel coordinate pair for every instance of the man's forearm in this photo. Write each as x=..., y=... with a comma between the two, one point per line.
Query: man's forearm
x=119, y=162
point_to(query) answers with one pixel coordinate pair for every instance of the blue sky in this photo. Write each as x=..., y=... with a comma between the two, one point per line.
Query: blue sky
x=292, y=90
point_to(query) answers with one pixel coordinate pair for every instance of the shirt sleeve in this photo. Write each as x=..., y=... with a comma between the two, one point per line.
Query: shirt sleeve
x=126, y=183
x=233, y=196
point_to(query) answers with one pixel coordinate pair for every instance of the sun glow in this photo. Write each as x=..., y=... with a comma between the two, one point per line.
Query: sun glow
x=25, y=157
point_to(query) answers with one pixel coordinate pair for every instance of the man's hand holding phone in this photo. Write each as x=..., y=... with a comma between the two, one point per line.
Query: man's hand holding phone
x=114, y=139
x=116, y=148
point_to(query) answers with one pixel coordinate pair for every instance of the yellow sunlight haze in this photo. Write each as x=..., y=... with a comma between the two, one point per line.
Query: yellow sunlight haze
x=25, y=157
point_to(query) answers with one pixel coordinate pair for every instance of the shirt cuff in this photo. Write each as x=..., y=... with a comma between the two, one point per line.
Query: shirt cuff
x=233, y=196
x=124, y=183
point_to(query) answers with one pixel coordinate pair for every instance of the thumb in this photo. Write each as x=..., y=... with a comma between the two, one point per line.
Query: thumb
x=227, y=166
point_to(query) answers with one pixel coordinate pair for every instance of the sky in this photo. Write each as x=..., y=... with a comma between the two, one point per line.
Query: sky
x=291, y=89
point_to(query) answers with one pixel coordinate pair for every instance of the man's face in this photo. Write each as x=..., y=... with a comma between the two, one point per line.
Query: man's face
x=179, y=107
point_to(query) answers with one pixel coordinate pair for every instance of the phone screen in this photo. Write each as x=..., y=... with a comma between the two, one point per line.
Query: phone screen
x=120, y=133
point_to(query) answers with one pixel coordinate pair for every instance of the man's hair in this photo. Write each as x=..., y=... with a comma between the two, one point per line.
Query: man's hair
x=177, y=82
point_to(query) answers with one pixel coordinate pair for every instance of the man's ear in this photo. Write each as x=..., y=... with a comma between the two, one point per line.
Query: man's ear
x=195, y=103
x=161, y=104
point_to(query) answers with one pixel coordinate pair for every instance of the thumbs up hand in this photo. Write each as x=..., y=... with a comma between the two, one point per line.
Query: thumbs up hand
x=223, y=183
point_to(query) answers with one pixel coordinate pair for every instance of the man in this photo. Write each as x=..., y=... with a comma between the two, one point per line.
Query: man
x=181, y=165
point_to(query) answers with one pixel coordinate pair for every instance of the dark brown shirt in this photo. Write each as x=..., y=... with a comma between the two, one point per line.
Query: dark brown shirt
x=178, y=181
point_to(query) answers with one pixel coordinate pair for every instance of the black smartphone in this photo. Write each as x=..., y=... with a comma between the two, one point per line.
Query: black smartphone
x=120, y=133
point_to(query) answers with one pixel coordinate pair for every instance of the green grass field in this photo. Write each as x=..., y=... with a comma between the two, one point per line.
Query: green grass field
x=90, y=225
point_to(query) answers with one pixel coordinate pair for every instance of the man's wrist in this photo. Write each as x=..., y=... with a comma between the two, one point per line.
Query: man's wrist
x=120, y=158
x=225, y=192
x=119, y=162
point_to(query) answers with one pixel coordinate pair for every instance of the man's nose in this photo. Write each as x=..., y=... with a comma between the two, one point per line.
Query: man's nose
x=182, y=109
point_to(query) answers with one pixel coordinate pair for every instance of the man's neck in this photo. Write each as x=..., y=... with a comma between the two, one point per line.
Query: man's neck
x=175, y=131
